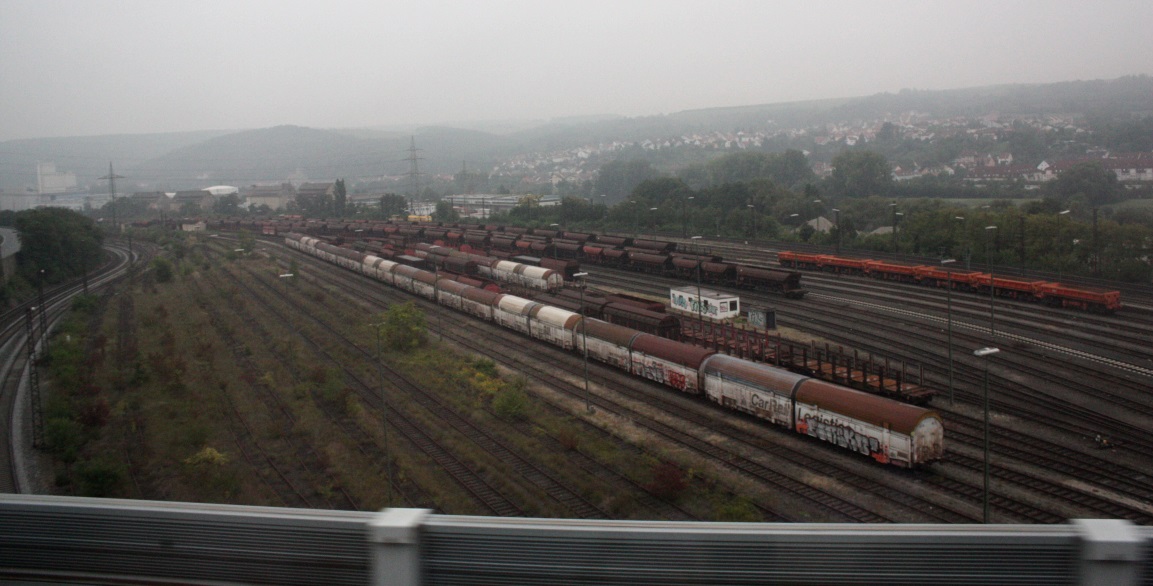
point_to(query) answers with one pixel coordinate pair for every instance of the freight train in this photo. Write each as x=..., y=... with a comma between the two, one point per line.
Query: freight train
x=888, y=431
x=556, y=250
x=1054, y=294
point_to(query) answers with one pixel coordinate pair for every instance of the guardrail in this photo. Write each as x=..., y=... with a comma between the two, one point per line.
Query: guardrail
x=61, y=539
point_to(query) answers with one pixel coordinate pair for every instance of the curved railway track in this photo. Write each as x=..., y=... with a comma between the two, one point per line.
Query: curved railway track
x=14, y=408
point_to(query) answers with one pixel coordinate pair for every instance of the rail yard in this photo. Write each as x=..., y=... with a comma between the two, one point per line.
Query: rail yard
x=1069, y=397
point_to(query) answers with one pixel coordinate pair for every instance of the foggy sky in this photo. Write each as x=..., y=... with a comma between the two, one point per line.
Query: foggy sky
x=80, y=67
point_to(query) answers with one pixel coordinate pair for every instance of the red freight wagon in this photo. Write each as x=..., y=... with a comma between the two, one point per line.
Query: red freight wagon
x=615, y=256
x=837, y=264
x=940, y=276
x=1006, y=287
x=801, y=260
x=593, y=254
x=891, y=271
x=1087, y=298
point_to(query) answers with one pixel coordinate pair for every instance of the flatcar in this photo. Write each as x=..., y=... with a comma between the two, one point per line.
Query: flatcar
x=656, y=323
x=1092, y=299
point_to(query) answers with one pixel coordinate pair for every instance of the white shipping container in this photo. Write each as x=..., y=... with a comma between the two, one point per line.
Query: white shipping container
x=709, y=305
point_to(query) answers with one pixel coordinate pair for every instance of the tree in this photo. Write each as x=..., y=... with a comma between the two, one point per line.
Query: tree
x=60, y=242
x=339, y=198
x=228, y=205
x=860, y=174
x=445, y=212
x=1088, y=182
x=790, y=168
x=617, y=179
x=658, y=191
x=317, y=205
x=392, y=204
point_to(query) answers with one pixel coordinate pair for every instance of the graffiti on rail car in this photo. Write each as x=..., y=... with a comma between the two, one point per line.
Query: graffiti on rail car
x=836, y=432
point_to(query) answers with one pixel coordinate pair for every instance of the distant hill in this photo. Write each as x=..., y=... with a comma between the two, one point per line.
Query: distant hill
x=196, y=159
x=88, y=156
x=267, y=154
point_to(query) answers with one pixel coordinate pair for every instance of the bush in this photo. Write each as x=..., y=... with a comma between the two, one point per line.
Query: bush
x=511, y=404
x=738, y=510
x=64, y=438
x=99, y=478
x=163, y=270
x=486, y=367
x=404, y=327
x=668, y=481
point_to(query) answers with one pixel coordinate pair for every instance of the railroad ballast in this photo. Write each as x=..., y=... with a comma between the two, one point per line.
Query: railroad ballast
x=888, y=431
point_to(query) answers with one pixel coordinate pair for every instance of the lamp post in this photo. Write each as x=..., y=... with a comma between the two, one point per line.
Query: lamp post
x=43, y=311
x=893, y=207
x=685, y=217
x=949, y=318
x=752, y=221
x=968, y=256
x=554, y=227
x=585, y=341
x=992, y=283
x=1060, y=263
x=700, y=305
x=652, y=222
x=986, y=353
x=837, y=227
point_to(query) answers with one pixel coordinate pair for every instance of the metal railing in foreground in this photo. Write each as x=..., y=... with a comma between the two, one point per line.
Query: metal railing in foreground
x=99, y=541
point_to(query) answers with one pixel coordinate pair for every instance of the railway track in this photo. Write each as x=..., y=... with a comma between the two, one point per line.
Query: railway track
x=845, y=510
x=14, y=410
x=372, y=293
x=291, y=492
x=491, y=444
x=466, y=475
x=1010, y=320
x=850, y=329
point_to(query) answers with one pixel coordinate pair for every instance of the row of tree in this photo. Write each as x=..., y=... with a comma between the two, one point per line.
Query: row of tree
x=56, y=245
x=1065, y=227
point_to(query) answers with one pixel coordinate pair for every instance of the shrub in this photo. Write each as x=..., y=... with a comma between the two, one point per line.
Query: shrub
x=667, y=481
x=511, y=404
x=738, y=510
x=162, y=269
x=486, y=367
x=64, y=438
x=99, y=478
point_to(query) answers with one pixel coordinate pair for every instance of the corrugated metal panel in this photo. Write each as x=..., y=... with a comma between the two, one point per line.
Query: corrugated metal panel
x=631, y=554
x=505, y=266
x=556, y=316
x=879, y=411
x=188, y=542
x=450, y=286
x=676, y=352
x=618, y=335
x=755, y=374
x=515, y=305
x=483, y=296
